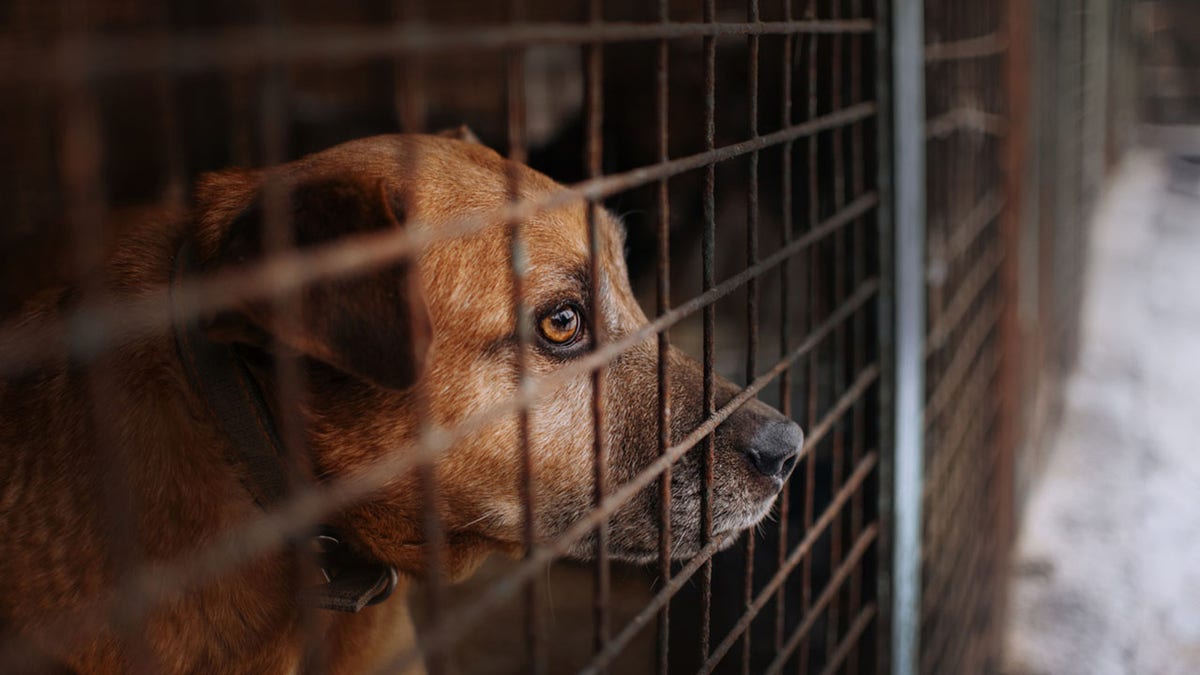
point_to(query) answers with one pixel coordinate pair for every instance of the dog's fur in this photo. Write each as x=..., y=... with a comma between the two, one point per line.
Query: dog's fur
x=425, y=342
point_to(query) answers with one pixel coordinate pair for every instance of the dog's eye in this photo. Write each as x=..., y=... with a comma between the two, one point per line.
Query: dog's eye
x=562, y=326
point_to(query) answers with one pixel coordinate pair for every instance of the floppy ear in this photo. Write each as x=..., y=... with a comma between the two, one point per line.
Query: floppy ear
x=372, y=325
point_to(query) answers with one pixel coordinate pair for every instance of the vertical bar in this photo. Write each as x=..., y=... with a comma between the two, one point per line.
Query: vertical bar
x=838, y=435
x=785, y=379
x=813, y=314
x=595, y=140
x=708, y=246
x=412, y=111
x=81, y=154
x=909, y=162
x=1015, y=164
x=515, y=89
x=277, y=239
x=175, y=190
x=663, y=273
x=752, y=15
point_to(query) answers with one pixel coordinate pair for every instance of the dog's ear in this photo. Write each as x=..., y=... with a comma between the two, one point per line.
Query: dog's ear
x=373, y=325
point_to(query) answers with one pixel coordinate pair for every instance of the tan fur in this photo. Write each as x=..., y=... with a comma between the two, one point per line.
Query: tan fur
x=55, y=468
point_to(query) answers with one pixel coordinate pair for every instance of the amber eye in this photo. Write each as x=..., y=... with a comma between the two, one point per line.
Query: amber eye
x=561, y=326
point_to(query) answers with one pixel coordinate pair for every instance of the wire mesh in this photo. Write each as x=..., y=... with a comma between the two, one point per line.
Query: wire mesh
x=743, y=145
x=963, y=573
x=779, y=174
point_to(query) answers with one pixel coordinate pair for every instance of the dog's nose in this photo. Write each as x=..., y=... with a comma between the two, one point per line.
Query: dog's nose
x=775, y=447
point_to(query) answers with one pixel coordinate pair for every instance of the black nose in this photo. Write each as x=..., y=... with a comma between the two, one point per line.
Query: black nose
x=775, y=447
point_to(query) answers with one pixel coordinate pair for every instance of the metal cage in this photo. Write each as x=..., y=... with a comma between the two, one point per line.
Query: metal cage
x=757, y=153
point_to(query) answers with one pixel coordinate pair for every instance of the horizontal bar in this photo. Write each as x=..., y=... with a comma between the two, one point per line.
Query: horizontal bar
x=977, y=333
x=965, y=119
x=856, y=630
x=235, y=49
x=849, y=398
x=840, y=118
x=939, y=640
x=940, y=575
x=972, y=400
x=968, y=231
x=983, y=46
x=964, y=297
x=835, y=582
x=90, y=329
x=849, y=488
x=939, y=531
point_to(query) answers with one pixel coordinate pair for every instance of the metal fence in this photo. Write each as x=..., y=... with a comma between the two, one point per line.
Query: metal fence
x=763, y=158
x=1025, y=107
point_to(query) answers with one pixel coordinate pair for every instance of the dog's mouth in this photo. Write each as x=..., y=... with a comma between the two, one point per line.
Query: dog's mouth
x=751, y=519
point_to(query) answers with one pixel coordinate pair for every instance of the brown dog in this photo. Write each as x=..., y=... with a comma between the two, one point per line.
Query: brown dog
x=384, y=354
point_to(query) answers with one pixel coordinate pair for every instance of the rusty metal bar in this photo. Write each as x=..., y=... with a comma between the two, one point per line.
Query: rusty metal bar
x=517, y=153
x=752, y=44
x=839, y=341
x=663, y=296
x=785, y=379
x=290, y=393
x=1017, y=20
x=91, y=329
x=708, y=245
x=813, y=309
x=80, y=161
x=412, y=112
x=244, y=48
x=594, y=92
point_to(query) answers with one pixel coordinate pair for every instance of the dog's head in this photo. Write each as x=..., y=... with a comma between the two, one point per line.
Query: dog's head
x=433, y=341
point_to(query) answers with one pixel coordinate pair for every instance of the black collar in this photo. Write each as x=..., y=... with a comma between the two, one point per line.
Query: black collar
x=220, y=375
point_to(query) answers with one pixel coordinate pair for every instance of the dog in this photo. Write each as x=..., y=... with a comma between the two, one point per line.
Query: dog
x=428, y=341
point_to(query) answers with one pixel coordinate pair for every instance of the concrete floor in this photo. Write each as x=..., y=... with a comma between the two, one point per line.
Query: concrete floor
x=1107, y=573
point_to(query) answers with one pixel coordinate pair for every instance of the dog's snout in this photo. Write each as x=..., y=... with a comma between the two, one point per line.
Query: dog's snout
x=774, y=448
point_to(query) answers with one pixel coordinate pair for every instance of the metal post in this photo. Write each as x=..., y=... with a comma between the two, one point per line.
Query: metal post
x=909, y=143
